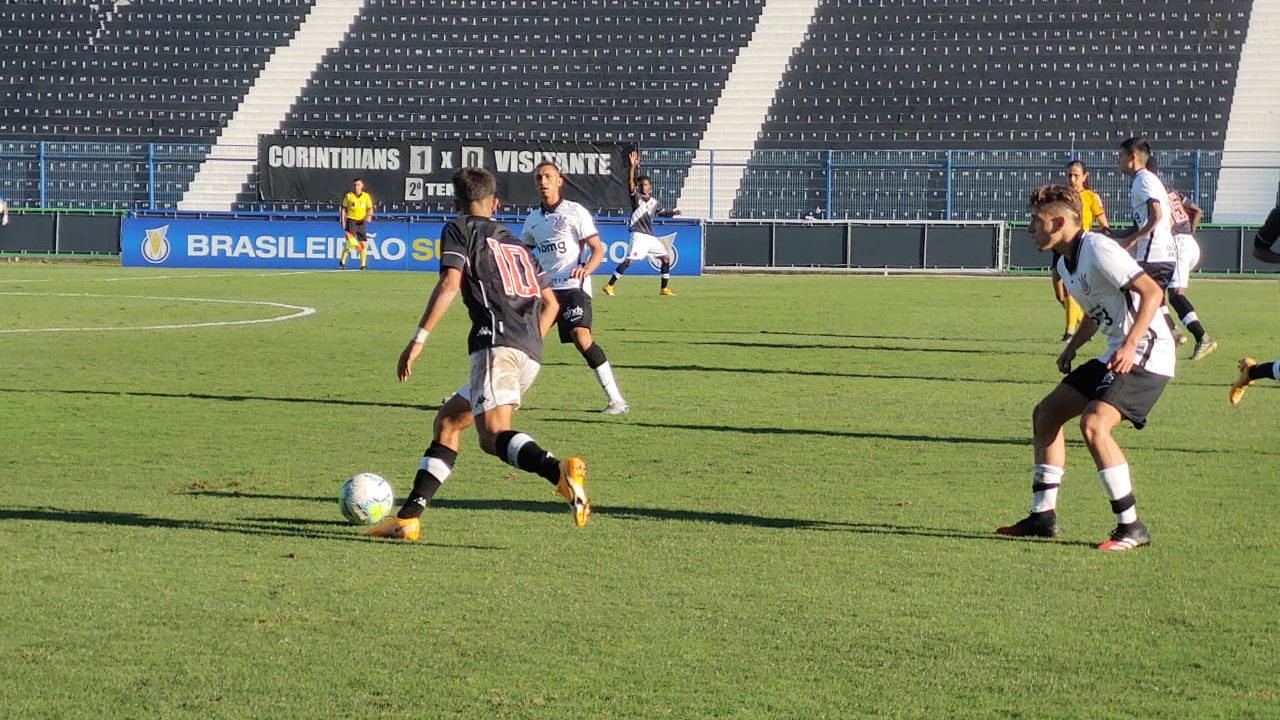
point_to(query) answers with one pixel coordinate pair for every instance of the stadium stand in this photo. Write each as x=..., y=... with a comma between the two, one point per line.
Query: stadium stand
x=911, y=76
x=985, y=74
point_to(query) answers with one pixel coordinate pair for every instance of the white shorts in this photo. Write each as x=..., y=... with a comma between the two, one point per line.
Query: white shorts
x=643, y=245
x=1188, y=251
x=499, y=376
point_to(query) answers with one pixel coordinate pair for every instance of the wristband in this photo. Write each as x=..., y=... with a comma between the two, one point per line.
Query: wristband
x=421, y=336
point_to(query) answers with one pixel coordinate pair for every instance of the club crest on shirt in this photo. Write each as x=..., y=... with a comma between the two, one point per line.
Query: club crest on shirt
x=1084, y=285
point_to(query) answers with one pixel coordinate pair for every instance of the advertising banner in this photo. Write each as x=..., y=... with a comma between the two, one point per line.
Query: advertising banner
x=169, y=242
x=408, y=171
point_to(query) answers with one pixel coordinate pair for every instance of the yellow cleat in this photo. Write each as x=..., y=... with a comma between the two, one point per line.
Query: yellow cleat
x=1243, y=381
x=608, y=289
x=573, y=487
x=668, y=292
x=393, y=527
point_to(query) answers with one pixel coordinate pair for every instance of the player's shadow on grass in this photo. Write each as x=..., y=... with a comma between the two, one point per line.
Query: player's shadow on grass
x=606, y=512
x=931, y=350
x=814, y=373
x=227, y=398
x=245, y=495
x=832, y=336
x=302, y=528
x=848, y=434
x=1073, y=441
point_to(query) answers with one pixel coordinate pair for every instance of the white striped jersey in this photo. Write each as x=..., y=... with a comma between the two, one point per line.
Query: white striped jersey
x=1099, y=278
x=1178, y=208
x=560, y=236
x=643, y=210
x=1158, y=245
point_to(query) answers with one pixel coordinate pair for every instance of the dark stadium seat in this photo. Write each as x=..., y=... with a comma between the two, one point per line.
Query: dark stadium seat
x=870, y=74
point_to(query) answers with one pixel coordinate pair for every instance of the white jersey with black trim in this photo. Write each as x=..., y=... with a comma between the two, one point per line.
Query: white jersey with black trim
x=1157, y=246
x=560, y=236
x=1099, y=277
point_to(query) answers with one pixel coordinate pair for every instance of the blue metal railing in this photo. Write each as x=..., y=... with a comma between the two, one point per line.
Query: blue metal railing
x=833, y=183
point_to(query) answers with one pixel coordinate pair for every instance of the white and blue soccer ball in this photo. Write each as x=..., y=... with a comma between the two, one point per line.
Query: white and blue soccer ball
x=365, y=499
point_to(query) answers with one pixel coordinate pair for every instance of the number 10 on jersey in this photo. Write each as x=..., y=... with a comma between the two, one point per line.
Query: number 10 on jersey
x=518, y=276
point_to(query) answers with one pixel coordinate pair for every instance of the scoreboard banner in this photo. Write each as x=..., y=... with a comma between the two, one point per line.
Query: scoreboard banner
x=400, y=244
x=320, y=170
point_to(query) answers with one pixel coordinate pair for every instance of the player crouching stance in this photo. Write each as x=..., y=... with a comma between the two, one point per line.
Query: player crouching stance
x=509, y=299
x=1121, y=300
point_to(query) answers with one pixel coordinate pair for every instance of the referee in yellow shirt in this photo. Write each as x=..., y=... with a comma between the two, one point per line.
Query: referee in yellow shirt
x=356, y=212
x=1091, y=213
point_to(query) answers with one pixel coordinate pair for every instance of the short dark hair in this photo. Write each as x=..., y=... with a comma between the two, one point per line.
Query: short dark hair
x=545, y=163
x=643, y=178
x=356, y=180
x=472, y=184
x=1137, y=146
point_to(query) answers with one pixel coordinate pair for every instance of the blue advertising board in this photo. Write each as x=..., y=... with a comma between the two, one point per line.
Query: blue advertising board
x=288, y=244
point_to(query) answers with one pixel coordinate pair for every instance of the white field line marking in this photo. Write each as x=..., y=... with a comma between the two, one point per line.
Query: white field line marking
x=301, y=312
x=166, y=277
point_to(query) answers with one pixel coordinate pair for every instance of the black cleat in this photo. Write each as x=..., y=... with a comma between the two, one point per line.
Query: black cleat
x=1127, y=537
x=1037, y=524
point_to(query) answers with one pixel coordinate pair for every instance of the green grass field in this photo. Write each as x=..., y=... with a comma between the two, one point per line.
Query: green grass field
x=794, y=521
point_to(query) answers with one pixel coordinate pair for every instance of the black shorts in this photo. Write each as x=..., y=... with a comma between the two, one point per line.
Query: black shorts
x=575, y=312
x=1161, y=272
x=1133, y=394
x=356, y=227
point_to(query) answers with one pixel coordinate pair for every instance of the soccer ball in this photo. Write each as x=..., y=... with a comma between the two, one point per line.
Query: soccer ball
x=365, y=499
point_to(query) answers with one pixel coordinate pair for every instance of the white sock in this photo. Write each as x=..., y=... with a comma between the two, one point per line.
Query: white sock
x=518, y=441
x=1119, y=489
x=604, y=373
x=1044, y=487
x=438, y=468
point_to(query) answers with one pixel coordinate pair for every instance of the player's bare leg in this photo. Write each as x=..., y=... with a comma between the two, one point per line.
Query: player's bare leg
x=1096, y=425
x=1047, y=420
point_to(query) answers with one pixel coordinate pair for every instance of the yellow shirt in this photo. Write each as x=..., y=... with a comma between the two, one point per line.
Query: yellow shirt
x=357, y=207
x=1090, y=208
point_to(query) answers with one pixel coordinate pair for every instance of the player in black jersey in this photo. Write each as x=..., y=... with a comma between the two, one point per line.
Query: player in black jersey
x=1250, y=369
x=644, y=208
x=509, y=299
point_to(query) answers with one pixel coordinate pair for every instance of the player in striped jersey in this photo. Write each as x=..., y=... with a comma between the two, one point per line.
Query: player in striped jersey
x=1120, y=301
x=511, y=306
x=1186, y=219
x=1250, y=370
x=644, y=208
x=569, y=247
